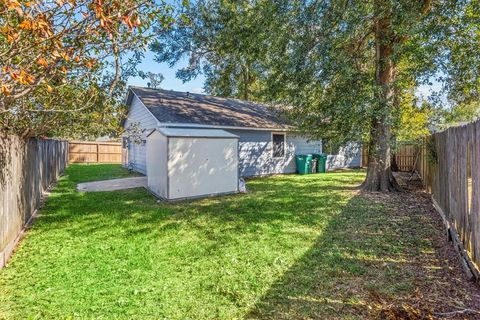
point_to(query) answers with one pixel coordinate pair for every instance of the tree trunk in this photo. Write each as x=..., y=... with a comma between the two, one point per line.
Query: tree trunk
x=379, y=174
x=396, y=107
x=394, y=164
x=393, y=157
x=246, y=82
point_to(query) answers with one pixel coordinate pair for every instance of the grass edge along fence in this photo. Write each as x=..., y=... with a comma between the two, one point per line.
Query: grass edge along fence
x=449, y=165
x=27, y=169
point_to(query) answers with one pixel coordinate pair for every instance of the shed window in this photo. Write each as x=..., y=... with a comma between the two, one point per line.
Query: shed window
x=278, y=141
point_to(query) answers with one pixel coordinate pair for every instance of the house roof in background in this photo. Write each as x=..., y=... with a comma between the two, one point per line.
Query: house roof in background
x=198, y=109
x=194, y=133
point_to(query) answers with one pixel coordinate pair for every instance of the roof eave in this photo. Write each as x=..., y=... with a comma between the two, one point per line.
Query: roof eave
x=194, y=125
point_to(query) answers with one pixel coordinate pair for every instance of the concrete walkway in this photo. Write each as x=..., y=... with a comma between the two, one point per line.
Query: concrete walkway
x=112, y=185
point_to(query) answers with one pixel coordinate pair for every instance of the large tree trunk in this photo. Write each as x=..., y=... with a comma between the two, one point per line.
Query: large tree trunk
x=394, y=165
x=379, y=174
x=393, y=157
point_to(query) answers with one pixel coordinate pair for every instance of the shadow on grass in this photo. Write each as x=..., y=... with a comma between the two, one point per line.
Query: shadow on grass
x=363, y=248
x=368, y=253
x=293, y=247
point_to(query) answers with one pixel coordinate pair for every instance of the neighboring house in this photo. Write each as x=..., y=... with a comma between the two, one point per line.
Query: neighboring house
x=267, y=145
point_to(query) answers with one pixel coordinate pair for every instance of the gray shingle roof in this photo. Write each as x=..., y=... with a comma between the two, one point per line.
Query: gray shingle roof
x=189, y=108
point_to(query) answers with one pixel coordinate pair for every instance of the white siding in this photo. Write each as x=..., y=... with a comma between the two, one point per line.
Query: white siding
x=255, y=152
x=137, y=152
x=348, y=156
x=157, y=154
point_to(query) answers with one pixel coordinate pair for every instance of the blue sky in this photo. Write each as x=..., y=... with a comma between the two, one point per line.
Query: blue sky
x=170, y=82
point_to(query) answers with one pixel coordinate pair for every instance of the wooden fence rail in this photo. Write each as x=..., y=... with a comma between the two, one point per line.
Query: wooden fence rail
x=27, y=169
x=405, y=156
x=449, y=166
x=95, y=152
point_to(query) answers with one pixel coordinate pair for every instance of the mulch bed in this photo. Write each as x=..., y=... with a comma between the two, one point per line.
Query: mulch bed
x=447, y=294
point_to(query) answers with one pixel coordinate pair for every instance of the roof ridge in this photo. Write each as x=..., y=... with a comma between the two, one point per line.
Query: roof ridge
x=266, y=104
x=170, y=106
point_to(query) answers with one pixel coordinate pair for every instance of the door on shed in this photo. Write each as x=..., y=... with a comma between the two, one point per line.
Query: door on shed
x=202, y=166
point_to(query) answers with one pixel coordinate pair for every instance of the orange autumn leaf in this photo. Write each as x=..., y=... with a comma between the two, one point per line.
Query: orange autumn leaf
x=42, y=62
x=5, y=29
x=49, y=88
x=56, y=54
x=22, y=77
x=26, y=78
x=14, y=76
x=12, y=37
x=90, y=63
x=6, y=91
x=26, y=25
x=14, y=5
x=65, y=56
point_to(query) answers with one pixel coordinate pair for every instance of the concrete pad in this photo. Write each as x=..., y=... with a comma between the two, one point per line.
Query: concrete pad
x=112, y=185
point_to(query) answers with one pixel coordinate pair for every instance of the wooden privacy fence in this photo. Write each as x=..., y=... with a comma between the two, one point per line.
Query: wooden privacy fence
x=450, y=169
x=405, y=156
x=27, y=169
x=95, y=152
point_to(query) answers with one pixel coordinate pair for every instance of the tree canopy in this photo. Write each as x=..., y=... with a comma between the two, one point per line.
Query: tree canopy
x=346, y=68
x=64, y=63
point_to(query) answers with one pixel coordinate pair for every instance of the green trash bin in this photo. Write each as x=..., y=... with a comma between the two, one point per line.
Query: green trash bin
x=304, y=163
x=321, y=162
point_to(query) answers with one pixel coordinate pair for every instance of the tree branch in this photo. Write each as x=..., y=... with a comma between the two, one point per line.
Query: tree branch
x=457, y=312
x=116, y=55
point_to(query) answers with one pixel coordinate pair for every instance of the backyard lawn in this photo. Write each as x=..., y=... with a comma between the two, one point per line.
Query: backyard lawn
x=293, y=247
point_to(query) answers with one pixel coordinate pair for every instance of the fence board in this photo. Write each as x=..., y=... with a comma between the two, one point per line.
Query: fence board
x=27, y=169
x=95, y=152
x=450, y=170
x=405, y=155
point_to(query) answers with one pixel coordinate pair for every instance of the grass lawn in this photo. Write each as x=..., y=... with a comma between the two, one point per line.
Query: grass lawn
x=293, y=247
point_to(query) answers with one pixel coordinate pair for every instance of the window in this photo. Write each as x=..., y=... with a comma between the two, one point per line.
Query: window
x=278, y=142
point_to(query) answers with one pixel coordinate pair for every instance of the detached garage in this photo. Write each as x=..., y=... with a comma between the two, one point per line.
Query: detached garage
x=187, y=163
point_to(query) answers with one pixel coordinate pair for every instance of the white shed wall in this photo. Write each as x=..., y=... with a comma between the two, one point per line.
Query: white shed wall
x=157, y=164
x=202, y=166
